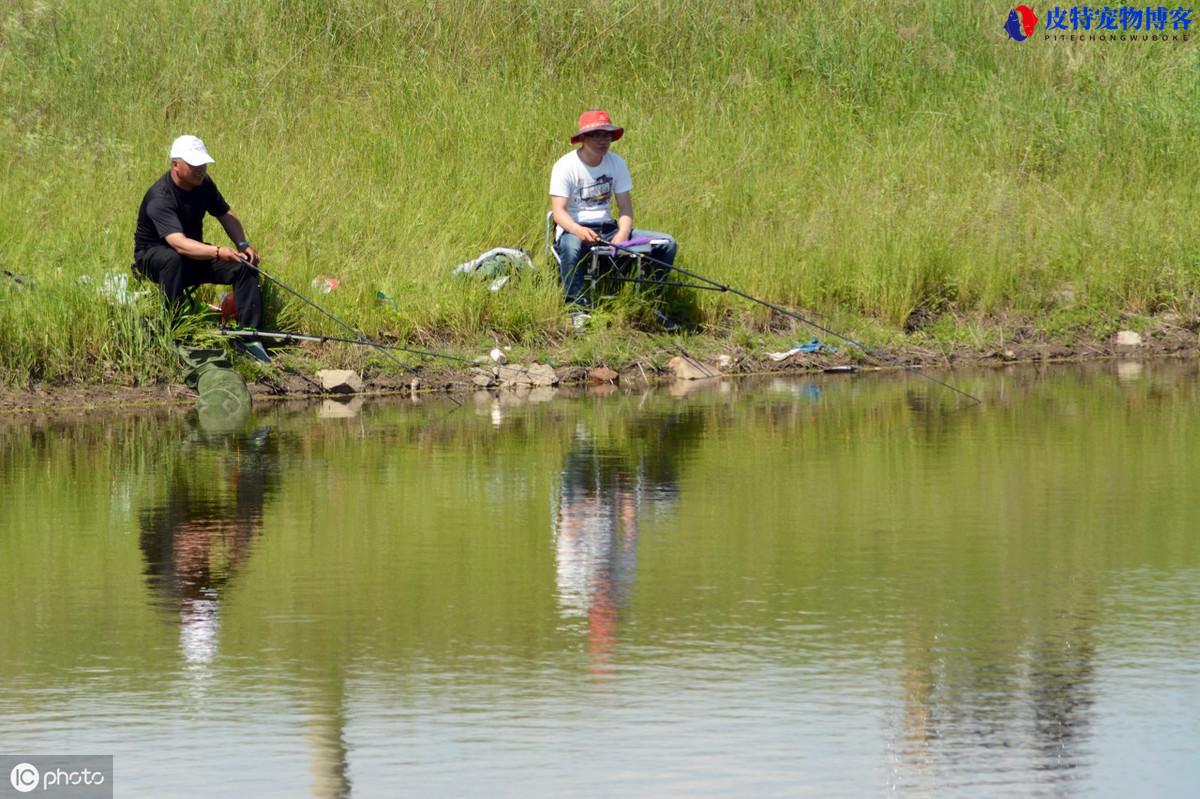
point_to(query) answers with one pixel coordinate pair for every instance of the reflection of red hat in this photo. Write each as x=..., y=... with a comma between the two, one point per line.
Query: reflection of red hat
x=594, y=120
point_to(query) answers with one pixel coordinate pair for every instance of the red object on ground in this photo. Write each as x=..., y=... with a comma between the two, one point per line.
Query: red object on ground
x=228, y=308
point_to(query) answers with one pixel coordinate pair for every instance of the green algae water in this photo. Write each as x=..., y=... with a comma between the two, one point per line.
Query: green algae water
x=836, y=587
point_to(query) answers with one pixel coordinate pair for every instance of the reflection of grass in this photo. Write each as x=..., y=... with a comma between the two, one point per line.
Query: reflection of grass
x=832, y=162
x=788, y=506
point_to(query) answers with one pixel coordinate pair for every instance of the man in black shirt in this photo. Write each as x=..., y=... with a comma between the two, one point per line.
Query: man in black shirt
x=169, y=246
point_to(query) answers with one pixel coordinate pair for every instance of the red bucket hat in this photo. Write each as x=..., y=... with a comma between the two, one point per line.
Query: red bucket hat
x=594, y=120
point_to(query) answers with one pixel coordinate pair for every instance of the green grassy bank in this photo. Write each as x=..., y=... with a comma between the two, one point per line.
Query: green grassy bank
x=860, y=160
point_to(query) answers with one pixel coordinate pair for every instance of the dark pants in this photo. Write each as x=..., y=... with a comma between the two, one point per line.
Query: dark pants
x=572, y=269
x=174, y=274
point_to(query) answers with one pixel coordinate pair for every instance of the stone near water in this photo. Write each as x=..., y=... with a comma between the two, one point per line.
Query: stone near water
x=602, y=374
x=514, y=376
x=340, y=381
x=686, y=368
x=571, y=374
x=1128, y=338
x=541, y=374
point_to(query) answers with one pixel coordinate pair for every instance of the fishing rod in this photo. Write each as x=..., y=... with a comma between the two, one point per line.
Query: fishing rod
x=282, y=336
x=712, y=285
x=359, y=337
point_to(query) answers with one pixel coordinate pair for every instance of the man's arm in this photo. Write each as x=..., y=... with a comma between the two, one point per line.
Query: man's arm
x=233, y=229
x=624, y=217
x=164, y=216
x=199, y=251
x=558, y=207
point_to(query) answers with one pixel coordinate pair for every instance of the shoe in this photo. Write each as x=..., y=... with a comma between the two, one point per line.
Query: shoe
x=580, y=320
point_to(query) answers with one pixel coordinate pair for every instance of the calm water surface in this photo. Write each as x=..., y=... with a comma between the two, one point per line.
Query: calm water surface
x=833, y=588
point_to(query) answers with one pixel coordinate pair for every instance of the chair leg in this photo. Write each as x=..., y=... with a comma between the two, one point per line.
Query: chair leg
x=593, y=268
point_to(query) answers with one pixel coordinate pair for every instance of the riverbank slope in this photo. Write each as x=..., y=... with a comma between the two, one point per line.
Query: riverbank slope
x=894, y=168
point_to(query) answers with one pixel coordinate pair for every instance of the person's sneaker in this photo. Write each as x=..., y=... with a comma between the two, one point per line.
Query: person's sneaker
x=580, y=319
x=669, y=324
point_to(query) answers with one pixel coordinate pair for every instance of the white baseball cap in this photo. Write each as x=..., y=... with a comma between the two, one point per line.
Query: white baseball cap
x=192, y=150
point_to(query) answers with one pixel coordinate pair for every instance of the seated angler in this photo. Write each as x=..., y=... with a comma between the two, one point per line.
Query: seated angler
x=169, y=246
x=583, y=185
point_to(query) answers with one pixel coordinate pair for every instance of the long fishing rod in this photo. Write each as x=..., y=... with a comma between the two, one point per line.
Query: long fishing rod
x=282, y=336
x=715, y=286
x=359, y=337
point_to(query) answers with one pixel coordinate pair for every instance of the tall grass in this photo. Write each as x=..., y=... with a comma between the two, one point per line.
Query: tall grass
x=872, y=158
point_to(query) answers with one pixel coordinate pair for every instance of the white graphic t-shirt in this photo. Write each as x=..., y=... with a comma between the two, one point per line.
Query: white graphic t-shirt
x=590, y=189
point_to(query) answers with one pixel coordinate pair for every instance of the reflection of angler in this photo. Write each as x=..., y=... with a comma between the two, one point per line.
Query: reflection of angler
x=603, y=492
x=195, y=541
x=325, y=731
x=596, y=538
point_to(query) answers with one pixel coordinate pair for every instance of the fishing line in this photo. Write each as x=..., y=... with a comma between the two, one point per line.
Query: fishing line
x=715, y=286
x=359, y=337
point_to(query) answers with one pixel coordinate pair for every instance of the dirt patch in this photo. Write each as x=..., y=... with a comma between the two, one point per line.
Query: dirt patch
x=83, y=398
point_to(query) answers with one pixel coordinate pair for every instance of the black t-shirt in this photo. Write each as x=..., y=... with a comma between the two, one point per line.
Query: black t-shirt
x=168, y=209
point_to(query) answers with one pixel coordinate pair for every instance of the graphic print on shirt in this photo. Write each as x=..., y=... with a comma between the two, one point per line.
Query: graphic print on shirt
x=596, y=196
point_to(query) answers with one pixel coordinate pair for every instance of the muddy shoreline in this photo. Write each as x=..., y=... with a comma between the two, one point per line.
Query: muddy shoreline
x=652, y=369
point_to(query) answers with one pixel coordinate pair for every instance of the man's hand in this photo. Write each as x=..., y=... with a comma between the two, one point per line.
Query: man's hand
x=587, y=235
x=231, y=256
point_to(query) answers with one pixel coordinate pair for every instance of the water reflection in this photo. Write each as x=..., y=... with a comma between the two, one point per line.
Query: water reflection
x=793, y=579
x=1033, y=717
x=1024, y=699
x=596, y=533
x=1063, y=677
x=611, y=478
x=325, y=734
x=197, y=538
